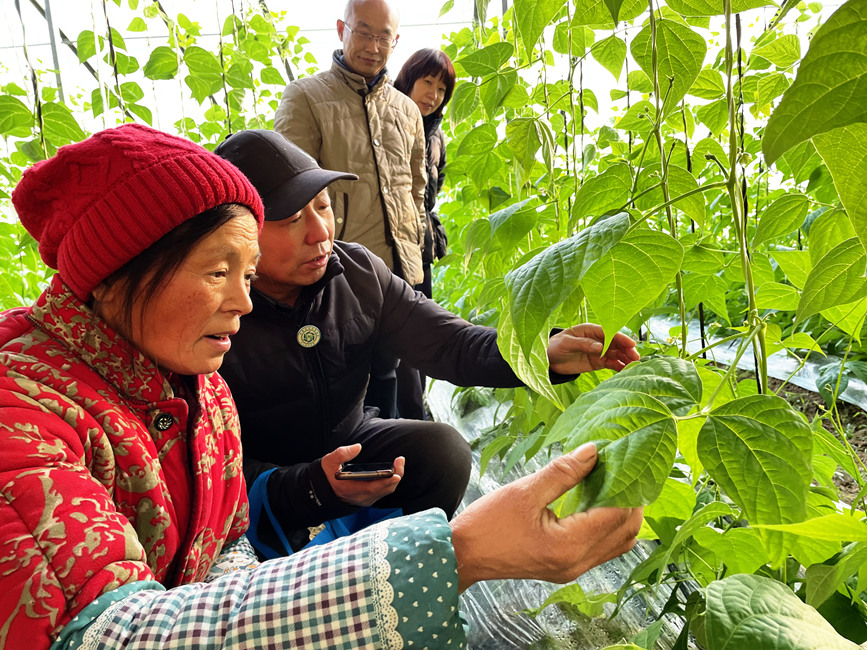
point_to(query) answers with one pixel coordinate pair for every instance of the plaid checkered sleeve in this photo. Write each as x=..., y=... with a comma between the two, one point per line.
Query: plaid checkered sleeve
x=392, y=585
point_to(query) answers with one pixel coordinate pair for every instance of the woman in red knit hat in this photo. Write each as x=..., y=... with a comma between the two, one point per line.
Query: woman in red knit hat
x=123, y=506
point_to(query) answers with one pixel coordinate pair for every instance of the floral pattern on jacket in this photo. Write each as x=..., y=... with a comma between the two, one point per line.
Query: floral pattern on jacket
x=107, y=476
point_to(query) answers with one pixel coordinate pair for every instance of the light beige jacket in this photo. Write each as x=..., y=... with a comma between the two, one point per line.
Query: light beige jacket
x=377, y=134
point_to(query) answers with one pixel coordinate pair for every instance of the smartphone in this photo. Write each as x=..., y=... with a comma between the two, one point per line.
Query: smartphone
x=364, y=471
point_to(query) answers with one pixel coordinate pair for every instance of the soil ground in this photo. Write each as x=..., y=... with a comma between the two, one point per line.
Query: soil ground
x=853, y=419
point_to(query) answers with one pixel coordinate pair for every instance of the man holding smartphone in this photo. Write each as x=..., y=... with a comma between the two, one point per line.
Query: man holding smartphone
x=323, y=310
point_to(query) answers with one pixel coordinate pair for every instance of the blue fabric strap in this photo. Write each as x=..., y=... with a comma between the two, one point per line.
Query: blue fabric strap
x=334, y=528
x=258, y=498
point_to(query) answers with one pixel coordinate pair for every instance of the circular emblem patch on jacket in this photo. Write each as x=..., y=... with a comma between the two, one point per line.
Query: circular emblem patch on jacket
x=308, y=336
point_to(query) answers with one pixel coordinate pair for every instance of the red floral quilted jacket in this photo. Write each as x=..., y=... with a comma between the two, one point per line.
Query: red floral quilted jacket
x=107, y=476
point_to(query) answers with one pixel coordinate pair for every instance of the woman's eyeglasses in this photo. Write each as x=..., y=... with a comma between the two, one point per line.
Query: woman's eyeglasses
x=382, y=41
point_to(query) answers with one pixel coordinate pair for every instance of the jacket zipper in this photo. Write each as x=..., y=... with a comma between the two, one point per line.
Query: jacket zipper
x=345, y=216
x=389, y=236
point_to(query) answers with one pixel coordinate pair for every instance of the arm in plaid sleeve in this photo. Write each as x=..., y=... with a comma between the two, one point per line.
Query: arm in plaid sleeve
x=391, y=584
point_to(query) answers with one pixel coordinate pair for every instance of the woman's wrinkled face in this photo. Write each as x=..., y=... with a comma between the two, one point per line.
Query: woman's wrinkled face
x=428, y=93
x=185, y=328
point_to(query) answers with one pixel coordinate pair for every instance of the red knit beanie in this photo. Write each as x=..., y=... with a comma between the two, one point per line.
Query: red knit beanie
x=99, y=203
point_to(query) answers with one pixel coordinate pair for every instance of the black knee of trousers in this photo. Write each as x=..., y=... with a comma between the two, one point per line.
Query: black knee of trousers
x=437, y=471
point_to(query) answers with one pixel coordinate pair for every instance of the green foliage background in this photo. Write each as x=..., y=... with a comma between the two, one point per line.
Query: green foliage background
x=722, y=186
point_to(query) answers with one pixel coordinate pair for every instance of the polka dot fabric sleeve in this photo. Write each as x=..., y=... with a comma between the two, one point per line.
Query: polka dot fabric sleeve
x=424, y=578
x=393, y=585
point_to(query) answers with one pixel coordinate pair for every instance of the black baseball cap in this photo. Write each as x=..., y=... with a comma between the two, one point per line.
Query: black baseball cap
x=286, y=177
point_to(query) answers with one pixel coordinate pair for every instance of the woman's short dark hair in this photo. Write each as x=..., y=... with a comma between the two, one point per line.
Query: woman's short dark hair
x=422, y=63
x=149, y=272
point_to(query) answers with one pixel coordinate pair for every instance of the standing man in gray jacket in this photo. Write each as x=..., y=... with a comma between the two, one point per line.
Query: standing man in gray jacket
x=350, y=117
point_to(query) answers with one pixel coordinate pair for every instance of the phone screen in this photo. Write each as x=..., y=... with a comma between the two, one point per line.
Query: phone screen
x=364, y=471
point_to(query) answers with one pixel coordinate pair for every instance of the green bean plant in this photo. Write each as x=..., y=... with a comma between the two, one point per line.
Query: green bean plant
x=725, y=192
x=715, y=180
x=223, y=84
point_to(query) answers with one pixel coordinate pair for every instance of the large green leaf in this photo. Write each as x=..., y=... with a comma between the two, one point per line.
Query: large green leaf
x=829, y=230
x=610, y=53
x=833, y=528
x=759, y=450
x=582, y=37
x=635, y=434
x=714, y=7
x=524, y=139
x=59, y=125
x=740, y=549
x=670, y=380
x=488, y=60
x=85, y=45
x=783, y=52
x=162, y=63
x=631, y=275
x=708, y=84
x=782, y=217
x=837, y=279
x=480, y=140
x=205, y=76
x=715, y=116
x=681, y=53
x=533, y=17
x=680, y=182
x=240, y=75
x=771, y=87
x=484, y=168
x=511, y=224
x=637, y=118
x=494, y=89
x=15, y=118
x=830, y=89
x=844, y=151
x=824, y=579
x=538, y=287
x=598, y=12
x=708, y=289
x=530, y=363
x=603, y=192
x=631, y=470
x=751, y=611
x=464, y=101
x=795, y=264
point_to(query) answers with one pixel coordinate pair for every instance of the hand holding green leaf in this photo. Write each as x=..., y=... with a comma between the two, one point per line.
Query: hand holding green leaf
x=579, y=349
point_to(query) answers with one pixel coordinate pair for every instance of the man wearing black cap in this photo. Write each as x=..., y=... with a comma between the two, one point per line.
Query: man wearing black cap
x=298, y=368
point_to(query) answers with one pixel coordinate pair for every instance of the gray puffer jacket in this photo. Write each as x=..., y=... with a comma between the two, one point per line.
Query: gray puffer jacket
x=374, y=132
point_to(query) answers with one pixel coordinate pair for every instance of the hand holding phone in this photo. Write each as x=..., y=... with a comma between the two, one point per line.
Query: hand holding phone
x=364, y=471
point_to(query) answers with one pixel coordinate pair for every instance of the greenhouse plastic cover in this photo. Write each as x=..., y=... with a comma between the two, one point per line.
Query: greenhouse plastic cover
x=780, y=365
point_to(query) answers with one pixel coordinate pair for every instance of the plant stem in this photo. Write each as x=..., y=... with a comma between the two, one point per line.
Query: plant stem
x=734, y=364
x=738, y=217
x=666, y=195
x=707, y=348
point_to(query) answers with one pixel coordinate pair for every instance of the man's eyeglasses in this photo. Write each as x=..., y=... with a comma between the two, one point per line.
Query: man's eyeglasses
x=383, y=41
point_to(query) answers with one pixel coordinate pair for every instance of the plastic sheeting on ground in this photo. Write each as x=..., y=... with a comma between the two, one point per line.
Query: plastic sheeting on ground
x=494, y=608
x=780, y=365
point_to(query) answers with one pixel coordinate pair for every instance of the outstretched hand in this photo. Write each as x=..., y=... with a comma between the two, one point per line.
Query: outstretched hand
x=578, y=348
x=354, y=492
x=511, y=532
